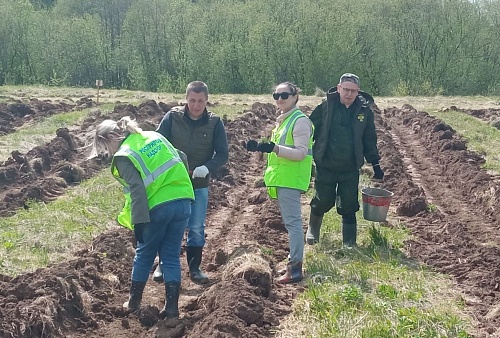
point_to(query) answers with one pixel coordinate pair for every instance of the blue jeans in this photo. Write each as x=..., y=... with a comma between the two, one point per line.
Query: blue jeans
x=289, y=202
x=196, y=225
x=163, y=235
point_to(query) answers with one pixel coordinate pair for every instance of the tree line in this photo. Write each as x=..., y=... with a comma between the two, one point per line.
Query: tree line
x=397, y=47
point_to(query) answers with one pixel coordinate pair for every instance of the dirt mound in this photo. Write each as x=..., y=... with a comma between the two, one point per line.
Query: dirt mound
x=453, y=202
x=43, y=173
x=72, y=296
x=14, y=115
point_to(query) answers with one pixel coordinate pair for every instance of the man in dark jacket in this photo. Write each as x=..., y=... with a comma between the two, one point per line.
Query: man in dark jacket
x=201, y=136
x=344, y=136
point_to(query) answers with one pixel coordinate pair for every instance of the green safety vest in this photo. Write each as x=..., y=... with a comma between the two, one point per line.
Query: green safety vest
x=162, y=171
x=281, y=172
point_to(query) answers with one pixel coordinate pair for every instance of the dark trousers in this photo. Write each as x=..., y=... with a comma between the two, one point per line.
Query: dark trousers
x=335, y=188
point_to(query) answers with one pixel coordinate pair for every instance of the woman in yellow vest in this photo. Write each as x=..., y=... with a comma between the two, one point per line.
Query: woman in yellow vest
x=288, y=170
x=158, y=196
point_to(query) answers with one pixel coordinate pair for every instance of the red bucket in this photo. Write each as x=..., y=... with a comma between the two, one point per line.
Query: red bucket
x=376, y=204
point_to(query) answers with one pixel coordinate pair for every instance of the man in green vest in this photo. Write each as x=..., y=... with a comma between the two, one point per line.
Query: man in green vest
x=344, y=136
x=201, y=136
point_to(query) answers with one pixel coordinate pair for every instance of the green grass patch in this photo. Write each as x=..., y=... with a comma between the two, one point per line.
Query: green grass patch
x=47, y=233
x=480, y=136
x=374, y=289
x=230, y=110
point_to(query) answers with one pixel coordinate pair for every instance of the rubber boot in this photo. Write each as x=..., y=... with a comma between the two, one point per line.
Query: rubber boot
x=194, y=254
x=158, y=274
x=293, y=273
x=134, y=300
x=349, y=232
x=171, y=308
x=313, y=230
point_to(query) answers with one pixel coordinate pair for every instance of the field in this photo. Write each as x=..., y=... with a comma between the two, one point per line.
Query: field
x=431, y=270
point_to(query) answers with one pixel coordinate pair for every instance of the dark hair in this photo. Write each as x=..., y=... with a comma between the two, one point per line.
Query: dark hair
x=197, y=87
x=294, y=89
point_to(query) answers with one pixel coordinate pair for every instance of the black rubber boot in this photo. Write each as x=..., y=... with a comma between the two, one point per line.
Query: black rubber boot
x=313, y=230
x=134, y=300
x=349, y=232
x=171, y=308
x=194, y=254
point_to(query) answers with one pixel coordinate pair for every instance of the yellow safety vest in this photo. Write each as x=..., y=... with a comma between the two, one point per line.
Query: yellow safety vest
x=162, y=171
x=281, y=172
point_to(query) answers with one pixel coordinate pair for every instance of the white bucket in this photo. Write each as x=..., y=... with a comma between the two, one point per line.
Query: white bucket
x=376, y=203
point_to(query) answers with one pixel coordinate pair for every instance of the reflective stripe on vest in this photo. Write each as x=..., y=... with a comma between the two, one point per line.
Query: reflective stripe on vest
x=150, y=176
x=291, y=120
x=163, y=173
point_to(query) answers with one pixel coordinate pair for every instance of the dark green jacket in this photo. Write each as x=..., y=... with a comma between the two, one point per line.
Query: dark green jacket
x=363, y=128
x=204, y=141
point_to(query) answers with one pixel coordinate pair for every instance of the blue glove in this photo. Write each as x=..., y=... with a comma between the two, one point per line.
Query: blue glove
x=138, y=230
x=377, y=171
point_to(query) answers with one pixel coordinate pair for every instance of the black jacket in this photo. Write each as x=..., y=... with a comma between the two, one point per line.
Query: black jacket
x=363, y=128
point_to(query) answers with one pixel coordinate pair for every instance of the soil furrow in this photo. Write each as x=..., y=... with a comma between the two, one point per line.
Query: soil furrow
x=461, y=237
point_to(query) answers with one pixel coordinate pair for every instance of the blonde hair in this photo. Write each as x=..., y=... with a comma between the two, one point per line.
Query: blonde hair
x=110, y=130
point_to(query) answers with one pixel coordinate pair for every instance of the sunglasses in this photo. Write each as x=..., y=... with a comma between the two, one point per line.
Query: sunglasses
x=283, y=95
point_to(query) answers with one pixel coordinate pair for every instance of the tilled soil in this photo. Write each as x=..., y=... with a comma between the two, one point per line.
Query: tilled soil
x=426, y=164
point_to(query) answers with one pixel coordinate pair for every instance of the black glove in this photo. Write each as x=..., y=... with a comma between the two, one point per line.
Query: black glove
x=252, y=145
x=377, y=171
x=264, y=147
x=138, y=230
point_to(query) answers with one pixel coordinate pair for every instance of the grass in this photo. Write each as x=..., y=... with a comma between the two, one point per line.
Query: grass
x=48, y=233
x=374, y=289
x=480, y=136
x=230, y=110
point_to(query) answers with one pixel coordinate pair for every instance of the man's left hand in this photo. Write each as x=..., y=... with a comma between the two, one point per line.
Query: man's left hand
x=201, y=171
x=377, y=171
